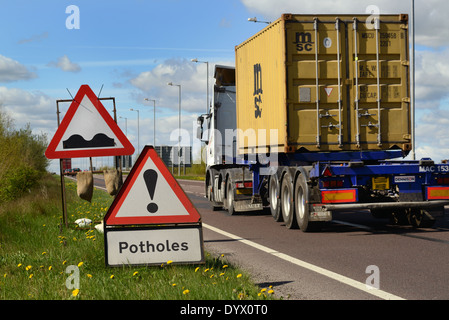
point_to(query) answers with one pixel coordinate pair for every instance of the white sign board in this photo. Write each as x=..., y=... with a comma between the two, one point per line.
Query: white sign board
x=154, y=246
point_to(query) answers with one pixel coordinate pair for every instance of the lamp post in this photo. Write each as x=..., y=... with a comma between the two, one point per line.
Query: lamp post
x=179, y=125
x=126, y=125
x=154, y=121
x=207, y=77
x=413, y=80
x=255, y=20
x=138, y=132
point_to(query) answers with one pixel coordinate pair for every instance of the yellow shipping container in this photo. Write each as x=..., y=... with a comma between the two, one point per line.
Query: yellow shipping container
x=321, y=83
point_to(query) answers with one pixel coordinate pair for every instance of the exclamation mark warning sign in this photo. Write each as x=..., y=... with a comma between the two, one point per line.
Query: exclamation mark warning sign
x=150, y=178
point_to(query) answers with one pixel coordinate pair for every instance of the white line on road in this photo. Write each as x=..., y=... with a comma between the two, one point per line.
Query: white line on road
x=348, y=281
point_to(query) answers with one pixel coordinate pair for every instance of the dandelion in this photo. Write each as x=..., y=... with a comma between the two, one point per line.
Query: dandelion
x=28, y=268
x=186, y=291
x=31, y=275
x=44, y=252
x=222, y=274
x=197, y=268
x=64, y=262
x=75, y=292
x=239, y=275
x=50, y=267
x=271, y=291
x=135, y=273
x=89, y=275
x=169, y=261
x=263, y=290
x=19, y=265
x=207, y=269
x=80, y=264
x=112, y=276
x=225, y=266
x=173, y=285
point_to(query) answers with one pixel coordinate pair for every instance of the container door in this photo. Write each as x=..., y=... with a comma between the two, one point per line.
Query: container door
x=380, y=91
x=316, y=76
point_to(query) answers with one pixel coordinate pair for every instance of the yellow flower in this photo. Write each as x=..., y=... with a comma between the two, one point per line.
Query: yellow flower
x=64, y=262
x=28, y=268
x=225, y=266
x=196, y=269
x=186, y=291
x=207, y=269
x=75, y=292
x=239, y=275
x=89, y=275
x=173, y=285
x=112, y=276
x=50, y=267
x=19, y=265
x=169, y=261
x=271, y=291
x=135, y=273
x=263, y=290
x=31, y=275
x=80, y=264
x=44, y=253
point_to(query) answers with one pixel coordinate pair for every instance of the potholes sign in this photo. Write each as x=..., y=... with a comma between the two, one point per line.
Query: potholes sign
x=151, y=220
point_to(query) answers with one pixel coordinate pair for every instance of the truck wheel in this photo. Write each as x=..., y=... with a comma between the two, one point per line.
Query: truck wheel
x=275, y=203
x=287, y=203
x=419, y=218
x=301, y=204
x=230, y=198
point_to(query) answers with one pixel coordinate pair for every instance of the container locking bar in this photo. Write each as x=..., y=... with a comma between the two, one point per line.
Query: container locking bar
x=356, y=58
x=318, y=127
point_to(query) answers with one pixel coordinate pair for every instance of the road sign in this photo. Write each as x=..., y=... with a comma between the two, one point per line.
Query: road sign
x=87, y=130
x=153, y=246
x=151, y=220
x=151, y=195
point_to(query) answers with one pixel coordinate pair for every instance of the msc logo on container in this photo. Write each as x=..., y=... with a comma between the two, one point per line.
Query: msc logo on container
x=257, y=90
x=303, y=41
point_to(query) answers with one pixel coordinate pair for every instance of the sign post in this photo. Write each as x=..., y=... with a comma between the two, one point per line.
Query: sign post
x=151, y=220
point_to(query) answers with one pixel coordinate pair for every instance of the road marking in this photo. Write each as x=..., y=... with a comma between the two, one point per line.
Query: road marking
x=335, y=276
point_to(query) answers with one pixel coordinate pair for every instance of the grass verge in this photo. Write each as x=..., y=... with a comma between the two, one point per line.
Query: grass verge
x=38, y=258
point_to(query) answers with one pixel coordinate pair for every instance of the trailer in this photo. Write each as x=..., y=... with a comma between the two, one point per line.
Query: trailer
x=314, y=119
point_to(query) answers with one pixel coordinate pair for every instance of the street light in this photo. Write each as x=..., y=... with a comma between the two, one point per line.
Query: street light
x=126, y=125
x=138, y=132
x=154, y=121
x=207, y=64
x=255, y=20
x=179, y=125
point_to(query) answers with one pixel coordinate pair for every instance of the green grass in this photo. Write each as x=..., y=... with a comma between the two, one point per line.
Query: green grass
x=35, y=252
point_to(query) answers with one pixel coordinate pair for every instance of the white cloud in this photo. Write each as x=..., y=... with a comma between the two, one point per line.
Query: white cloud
x=12, y=70
x=24, y=107
x=65, y=64
x=191, y=76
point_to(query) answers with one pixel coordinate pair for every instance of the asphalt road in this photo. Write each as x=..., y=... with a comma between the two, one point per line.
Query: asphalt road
x=336, y=263
x=344, y=261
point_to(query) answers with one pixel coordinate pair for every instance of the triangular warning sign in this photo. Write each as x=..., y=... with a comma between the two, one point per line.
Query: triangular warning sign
x=328, y=91
x=88, y=130
x=151, y=195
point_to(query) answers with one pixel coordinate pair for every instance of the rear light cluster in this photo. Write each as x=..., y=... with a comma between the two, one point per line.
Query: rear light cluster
x=332, y=184
x=240, y=185
x=441, y=180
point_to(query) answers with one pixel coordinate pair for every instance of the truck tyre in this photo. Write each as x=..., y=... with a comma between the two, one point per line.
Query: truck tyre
x=287, y=203
x=420, y=218
x=275, y=203
x=302, y=204
x=230, y=197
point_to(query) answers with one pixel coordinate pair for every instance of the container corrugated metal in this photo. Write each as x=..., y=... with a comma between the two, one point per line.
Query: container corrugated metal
x=323, y=83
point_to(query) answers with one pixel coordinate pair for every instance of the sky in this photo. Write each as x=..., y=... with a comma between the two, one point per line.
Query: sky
x=131, y=49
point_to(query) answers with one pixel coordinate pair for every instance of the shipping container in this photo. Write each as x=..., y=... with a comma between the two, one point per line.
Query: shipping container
x=325, y=83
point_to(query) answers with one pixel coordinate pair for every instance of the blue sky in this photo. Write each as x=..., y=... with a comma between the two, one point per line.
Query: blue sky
x=133, y=48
